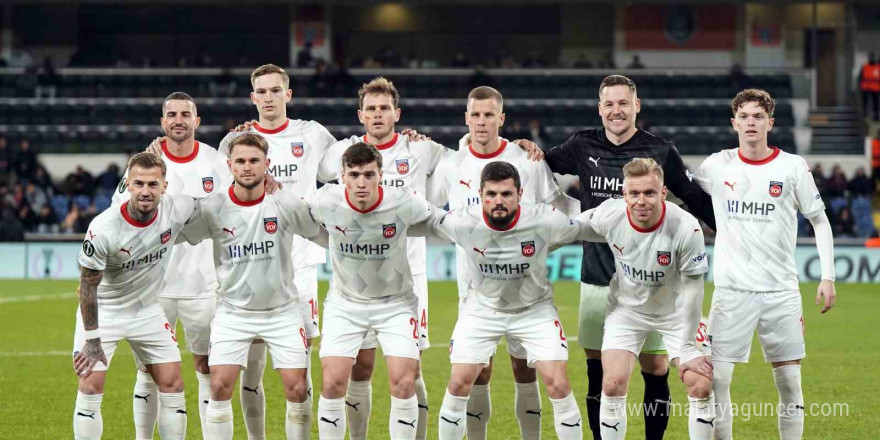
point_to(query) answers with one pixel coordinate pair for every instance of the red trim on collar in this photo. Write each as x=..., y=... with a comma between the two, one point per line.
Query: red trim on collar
x=490, y=155
x=273, y=131
x=652, y=228
x=509, y=227
x=386, y=145
x=759, y=162
x=375, y=205
x=133, y=222
x=180, y=159
x=239, y=202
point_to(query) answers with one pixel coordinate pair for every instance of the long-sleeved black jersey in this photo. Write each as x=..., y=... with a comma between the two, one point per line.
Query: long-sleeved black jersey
x=599, y=165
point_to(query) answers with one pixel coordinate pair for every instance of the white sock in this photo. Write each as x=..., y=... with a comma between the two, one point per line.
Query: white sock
x=453, y=417
x=87, y=421
x=567, y=418
x=479, y=409
x=253, y=399
x=701, y=418
x=404, y=418
x=422, y=397
x=527, y=403
x=722, y=374
x=172, y=416
x=791, y=401
x=145, y=405
x=612, y=417
x=298, y=421
x=358, y=404
x=331, y=418
x=218, y=420
x=204, y=396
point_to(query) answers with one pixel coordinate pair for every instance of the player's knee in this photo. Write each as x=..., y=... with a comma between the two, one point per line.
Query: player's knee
x=221, y=389
x=701, y=388
x=296, y=391
x=333, y=387
x=402, y=387
x=484, y=376
x=171, y=383
x=614, y=384
x=362, y=370
x=91, y=387
x=654, y=364
x=557, y=387
x=521, y=371
x=200, y=363
x=459, y=387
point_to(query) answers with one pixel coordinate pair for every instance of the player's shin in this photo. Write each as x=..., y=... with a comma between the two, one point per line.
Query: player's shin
x=331, y=418
x=172, y=416
x=253, y=399
x=297, y=423
x=404, y=418
x=791, y=401
x=722, y=374
x=453, y=413
x=422, y=398
x=204, y=396
x=701, y=417
x=218, y=420
x=145, y=405
x=594, y=395
x=358, y=404
x=567, y=418
x=527, y=404
x=656, y=404
x=612, y=417
x=87, y=421
x=479, y=409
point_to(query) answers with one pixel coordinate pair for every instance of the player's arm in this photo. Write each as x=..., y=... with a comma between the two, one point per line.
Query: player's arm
x=92, y=352
x=810, y=204
x=680, y=181
x=437, y=187
x=330, y=166
x=326, y=141
x=549, y=192
x=588, y=228
x=196, y=228
x=691, y=291
x=563, y=159
x=305, y=225
x=425, y=219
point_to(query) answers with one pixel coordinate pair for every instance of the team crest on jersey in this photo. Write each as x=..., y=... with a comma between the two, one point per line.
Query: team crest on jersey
x=389, y=231
x=402, y=166
x=664, y=258
x=775, y=189
x=297, y=149
x=528, y=248
x=270, y=224
x=165, y=236
x=208, y=184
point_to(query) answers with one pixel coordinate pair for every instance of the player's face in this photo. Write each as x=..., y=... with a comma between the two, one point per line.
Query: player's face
x=362, y=182
x=379, y=115
x=180, y=121
x=271, y=96
x=644, y=199
x=752, y=123
x=618, y=106
x=146, y=186
x=484, y=119
x=500, y=201
x=248, y=166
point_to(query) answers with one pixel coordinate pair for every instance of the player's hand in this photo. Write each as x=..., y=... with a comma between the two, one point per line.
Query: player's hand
x=272, y=185
x=87, y=359
x=535, y=153
x=826, y=289
x=155, y=147
x=414, y=136
x=244, y=127
x=700, y=365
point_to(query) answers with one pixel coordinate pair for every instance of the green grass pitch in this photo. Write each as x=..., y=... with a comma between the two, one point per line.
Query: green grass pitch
x=39, y=387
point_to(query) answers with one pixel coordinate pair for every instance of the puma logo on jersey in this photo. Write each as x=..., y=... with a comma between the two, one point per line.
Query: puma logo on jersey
x=127, y=251
x=726, y=183
x=609, y=426
x=595, y=160
x=619, y=249
x=710, y=422
x=91, y=236
x=576, y=424
x=480, y=251
x=341, y=230
x=253, y=390
x=410, y=424
x=146, y=398
x=230, y=231
x=332, y=422
x=467, y=184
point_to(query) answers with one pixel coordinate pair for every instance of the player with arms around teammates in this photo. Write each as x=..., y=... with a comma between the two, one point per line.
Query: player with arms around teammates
x=757, y=192
x=124, y=255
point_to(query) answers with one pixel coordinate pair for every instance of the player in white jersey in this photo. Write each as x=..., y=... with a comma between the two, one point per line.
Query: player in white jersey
x=508, y=295
x=123, y=257
x=457, y=181
x=252, y=235
x=757, y=192
x=188, y=291
x=657, y=286
x=371, y=288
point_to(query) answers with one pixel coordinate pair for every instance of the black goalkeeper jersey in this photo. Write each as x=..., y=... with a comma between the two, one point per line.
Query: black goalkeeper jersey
x=599, y=165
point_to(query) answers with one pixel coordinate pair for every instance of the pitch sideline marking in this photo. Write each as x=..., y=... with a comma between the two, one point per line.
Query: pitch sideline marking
x=31, y=298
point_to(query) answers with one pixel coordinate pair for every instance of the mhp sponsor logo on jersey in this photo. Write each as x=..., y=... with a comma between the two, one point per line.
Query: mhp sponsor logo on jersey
x=504, y=269
x=402, y=166
x=148, y=261
x=165, y=236
x=528, y=248
x=297, y=149
x=270, y=224
x=752, y=208
x=389, y=231
x=775, y=189
x=642, y=274
x=366, y=249
x=396, y=183
x=246, y=250
x=284, y=170
x=208, y=184
x=664, y=258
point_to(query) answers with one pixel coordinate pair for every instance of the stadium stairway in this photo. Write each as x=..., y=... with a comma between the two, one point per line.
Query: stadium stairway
x=836, y=130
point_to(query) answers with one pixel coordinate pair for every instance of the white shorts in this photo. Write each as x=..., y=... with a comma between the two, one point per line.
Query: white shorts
x=591, y=321
x=778, y=317
x=233, y=331
x=196, y=315
x=306, y=281
x=347, y=324
x=628, y=330
x=514, y=346
x=420, y=286
x=536, y=330
x=150, y=336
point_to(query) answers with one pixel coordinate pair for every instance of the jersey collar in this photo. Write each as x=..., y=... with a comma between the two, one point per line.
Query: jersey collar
x=180, y=159
x=496, y=153
x=386, y=145
x=273, y=131
x=133, y=222
x=371, y=208
x=652, y=228
x=763, y=161
x=510, y=226
x=240, y=202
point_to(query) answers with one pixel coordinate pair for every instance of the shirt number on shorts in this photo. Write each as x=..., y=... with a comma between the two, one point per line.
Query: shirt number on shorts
x=168, y=327
x=302, y=332
x=424, y=323
x=561, y=334
x=314, y=307
x=415, y=324
x=701, y=333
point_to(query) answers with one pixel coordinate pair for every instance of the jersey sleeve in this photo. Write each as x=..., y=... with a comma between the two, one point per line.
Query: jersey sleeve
x=93, y=254
x=314, y=204
x=227, y=141
x=434, y=153
x=121, y=195
x=680, y=181
x=184, y=207
x=546, y=185
x=196, y=229
x=692, y=258
x=563, y=230
x=806, y=194
x=438, y=187
x=588, y=227
x=297, y=212
x=221, y=167
x=704, y=173
x=563, y=159
x=331, y=164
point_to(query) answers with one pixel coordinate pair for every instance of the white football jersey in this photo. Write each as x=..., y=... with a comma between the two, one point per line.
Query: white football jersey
x=649, y=263
x=296, y=150
x=368, y=248
x=191, y=272
x=756, y=206
x=405, y=164
x=252, y=245
x=133, y=255
x=507, y=268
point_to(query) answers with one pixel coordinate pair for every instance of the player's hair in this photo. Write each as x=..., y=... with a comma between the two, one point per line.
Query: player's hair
x=251, y=140
x=639, y=167
x=267, y=69
x=361, y=154
x=179, y=96
x=486, y=92
x=617, y=80
x=498, y=171
x=378, y=86
x=758, y=96
x=147, y=161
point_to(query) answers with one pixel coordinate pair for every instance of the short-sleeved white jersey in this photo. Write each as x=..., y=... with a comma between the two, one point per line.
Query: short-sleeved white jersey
x=296, y=150
x=756, y=206
x=190, y=274
x=133, y=255
x=649, y=263
x=368, y=248
x=252, y=245
x=405, y=164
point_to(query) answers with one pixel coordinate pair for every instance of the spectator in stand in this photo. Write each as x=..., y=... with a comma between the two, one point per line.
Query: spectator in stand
x=46, y=221
x=537, y=133
x=80, y=182
x=304, y=57
x=412, y=61
x=516, y=131
x=481, y=78
x=636, y=63
x=109, y=179
x=5, y=158
x=322, y=81
x=819, y=178
x=11, y=228
x=861, y=184
x=28, y=218
x=42, y=179
x=837, y=183
x=869, y=83
x=608, y=62
x=875, y=157
x=36, y=197
x=25, y=160
x=16, y=198
x=844, y=224
x=47, y=80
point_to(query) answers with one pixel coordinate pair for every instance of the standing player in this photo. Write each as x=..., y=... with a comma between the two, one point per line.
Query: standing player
x=371, y=289
x=508, y=295
x=189, y=285
x=757, y=192
x=456, y=181
x=657, y=286
x=252, y=235
x=123, y=257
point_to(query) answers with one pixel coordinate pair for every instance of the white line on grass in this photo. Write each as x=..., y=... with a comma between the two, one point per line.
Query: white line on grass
x=30, y=298
x=34, y=353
